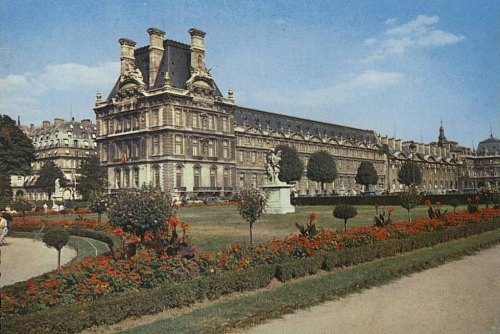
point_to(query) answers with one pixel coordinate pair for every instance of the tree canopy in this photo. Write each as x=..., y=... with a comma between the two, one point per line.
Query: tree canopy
x=366, y=175
x=345, y=212
x=410, y=174
x=292, y=167
x=322, y=168
x=93, y=177
x=16, y=149
x=16, y=155
x=48, y=174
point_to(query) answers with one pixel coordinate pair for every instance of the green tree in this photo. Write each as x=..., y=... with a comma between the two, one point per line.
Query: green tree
x=93, y=177
x=48, y=174
x=251, y=207
x=410, y=174
x=98, y=202
x=141, y=210
x=292, y=167
x=56, y=238
x=322, y=168
x=21, y=205
x=16, y=155
x=345, y=212
x=409, y=199
x=366, y=175
x=5, y=191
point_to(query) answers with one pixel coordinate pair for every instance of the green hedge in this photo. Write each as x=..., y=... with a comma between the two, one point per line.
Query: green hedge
x=352, y=256
x=113, y=308
x=298, y=267
x=380, y=200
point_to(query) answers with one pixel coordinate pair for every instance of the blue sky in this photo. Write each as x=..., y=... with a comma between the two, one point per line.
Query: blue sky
x=397, y=67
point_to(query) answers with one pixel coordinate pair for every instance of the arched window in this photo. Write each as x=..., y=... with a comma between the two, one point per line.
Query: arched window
x=126, y=178
x=118, y=177
x=227, y=178
x=136, y=177
x=156, y=176
x=196, y=177
x=213, y=177
x=178, y=177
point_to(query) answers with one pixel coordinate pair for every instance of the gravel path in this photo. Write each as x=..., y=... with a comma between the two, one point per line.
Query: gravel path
x=24, y=258
x=459, y=297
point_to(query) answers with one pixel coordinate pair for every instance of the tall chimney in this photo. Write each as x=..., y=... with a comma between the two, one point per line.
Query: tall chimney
x=58, y=121
x=46, y=124
x=398, y=145
x=155, y=53
x=127, y=58
x=391, y=143
x=85, y=122
x=197, y=50
x=427, y=149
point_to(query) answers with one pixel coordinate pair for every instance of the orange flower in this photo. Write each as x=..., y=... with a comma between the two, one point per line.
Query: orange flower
x=312, y=217
x=184, y=227
x=173, y=221
x=118, y=231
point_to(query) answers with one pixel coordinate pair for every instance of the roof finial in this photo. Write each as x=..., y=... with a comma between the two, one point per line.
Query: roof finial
x=491, y=131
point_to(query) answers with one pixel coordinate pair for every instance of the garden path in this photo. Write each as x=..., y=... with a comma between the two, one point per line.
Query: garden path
x=458, y=297
x=23, y=258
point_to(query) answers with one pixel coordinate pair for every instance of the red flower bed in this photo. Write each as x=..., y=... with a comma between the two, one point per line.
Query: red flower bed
x=95, y=277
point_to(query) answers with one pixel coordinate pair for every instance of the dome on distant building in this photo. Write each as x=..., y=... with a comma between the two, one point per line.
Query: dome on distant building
x=489, y=146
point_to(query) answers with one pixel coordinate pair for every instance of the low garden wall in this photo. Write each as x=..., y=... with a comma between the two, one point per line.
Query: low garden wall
x=150, y=284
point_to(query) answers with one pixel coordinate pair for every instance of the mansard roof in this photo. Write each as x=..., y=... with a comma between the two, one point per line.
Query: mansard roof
x=278, y=122
x=176, y=60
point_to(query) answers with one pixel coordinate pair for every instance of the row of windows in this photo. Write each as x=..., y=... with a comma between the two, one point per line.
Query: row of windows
x=138, y=121
x=128, y=178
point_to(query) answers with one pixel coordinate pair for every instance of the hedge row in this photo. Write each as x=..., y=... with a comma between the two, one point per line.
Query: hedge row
x=379, y=200
x=117, y=307
x=113, y=308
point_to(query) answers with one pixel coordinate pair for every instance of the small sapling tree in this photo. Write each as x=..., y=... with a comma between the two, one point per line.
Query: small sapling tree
x=409, y=199
x=252, y=207
x=345, y=212
x=98, y=203
x=56, y=238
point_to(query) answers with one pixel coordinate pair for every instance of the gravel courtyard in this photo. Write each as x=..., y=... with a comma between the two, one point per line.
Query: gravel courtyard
x=24, y=258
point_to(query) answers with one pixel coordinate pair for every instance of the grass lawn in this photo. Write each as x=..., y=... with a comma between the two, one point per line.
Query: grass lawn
x=214, y=227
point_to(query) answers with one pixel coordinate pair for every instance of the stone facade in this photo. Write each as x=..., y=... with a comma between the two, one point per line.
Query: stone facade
x=166, y=123
x=482, y=168
x=66, y=143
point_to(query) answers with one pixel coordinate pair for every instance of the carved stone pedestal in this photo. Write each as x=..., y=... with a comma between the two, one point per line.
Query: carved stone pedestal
x=278, y=201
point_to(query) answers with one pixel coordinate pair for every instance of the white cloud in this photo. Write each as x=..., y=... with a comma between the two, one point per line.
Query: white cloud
x=76, y=76
x=418, y=33
x=370, y=41
x=25, y=94
x=419, y=26
x=438, y=38
x=364, y=83
x=390, y=21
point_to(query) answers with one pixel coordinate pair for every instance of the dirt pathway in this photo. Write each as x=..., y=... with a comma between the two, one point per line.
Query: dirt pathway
x=459, y=297
x=24, y=258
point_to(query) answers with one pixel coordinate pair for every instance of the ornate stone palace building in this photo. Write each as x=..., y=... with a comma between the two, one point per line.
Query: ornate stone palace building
x=166, y=123
x=65, y=143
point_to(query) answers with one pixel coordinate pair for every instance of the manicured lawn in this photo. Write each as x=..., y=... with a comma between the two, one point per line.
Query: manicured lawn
x=214, y=227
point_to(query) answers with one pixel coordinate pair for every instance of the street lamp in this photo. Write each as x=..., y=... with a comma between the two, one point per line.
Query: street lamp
x=413, y=149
